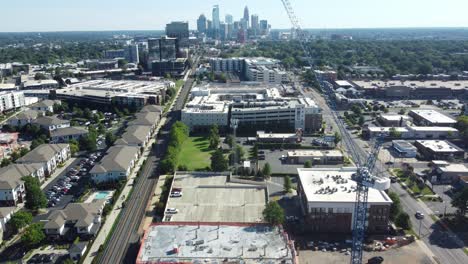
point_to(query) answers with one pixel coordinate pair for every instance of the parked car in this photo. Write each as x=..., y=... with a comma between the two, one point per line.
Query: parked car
x=375, y=260
x=172, y=210
x=176, y=194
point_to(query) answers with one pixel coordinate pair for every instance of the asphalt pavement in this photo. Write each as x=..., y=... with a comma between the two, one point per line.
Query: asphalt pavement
x=444, y=244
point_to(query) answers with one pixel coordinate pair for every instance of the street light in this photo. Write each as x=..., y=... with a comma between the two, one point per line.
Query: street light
x=420, y=223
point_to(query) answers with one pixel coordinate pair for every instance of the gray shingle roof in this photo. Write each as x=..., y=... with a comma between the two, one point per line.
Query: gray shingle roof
x=42, y=153
x=4, y=211
x=152, y=108
x=118, y=158
x=145, y=119
x=50, y=120
x=45, y=103
x=69, y=131
x=10, y=176
x=81, y=213
x=28, y=114
x=134, y=135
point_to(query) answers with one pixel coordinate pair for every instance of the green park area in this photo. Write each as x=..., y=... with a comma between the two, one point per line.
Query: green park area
x=195, y=154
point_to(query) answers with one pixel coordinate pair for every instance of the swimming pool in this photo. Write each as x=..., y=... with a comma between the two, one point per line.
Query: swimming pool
x=101, y=195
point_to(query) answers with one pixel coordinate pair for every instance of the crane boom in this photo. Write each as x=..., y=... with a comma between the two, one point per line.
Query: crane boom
x=363, y=177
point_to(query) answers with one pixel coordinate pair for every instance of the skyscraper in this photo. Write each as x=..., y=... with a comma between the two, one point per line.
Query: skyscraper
x=246, y=16
x=216, y=17
x=179, y=30
x=254, y=23
x=228, y=19
x=201, y=24
x=264, y=27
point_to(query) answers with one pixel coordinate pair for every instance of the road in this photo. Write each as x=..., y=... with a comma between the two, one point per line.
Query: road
x=446, y=247
x=123, y=244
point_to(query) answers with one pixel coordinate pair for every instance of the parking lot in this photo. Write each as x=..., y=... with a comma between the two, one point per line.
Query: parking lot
x=70, y=184
x=411, y=253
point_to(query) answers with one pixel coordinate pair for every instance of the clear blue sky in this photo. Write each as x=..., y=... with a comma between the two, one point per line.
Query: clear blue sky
x=65, y=15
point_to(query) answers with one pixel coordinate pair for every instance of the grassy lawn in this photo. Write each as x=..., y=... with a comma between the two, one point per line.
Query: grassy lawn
x=195, y=154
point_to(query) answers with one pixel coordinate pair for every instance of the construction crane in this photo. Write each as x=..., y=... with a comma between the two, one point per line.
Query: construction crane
x=363, y=176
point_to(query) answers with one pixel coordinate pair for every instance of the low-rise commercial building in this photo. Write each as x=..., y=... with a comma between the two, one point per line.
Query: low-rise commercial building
x=126, y=93
x=411, y=132
x=431, y=118
x=64, y=135
x=76, y=219
x=263, y=137
x=49, y=156
x=392, y=120
x=451, y=173
x=316, y=157
x=169, y=242
x=439, y=150
x=116, y=165
x=250, y=107
x=404, y=149
x=327, y=197
x=39, y=85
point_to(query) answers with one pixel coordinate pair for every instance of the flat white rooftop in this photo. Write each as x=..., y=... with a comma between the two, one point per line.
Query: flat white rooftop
x=344, y=84
x=373, y=84
x=434, y=117
x=210, y=197
x=439, y=146
x=315, y=153
x=403, y=144
x=214, y=243
x=334, y=185
x=393, y=117
x=263, y=135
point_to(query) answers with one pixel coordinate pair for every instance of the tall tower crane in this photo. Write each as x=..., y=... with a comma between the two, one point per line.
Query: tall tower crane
x=363, y=176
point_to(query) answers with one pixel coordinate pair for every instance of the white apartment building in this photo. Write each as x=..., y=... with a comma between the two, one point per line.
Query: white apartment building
x=48, y=155
x=250, y=107
x=11, y=100
x=263, y=70
x=116, y=165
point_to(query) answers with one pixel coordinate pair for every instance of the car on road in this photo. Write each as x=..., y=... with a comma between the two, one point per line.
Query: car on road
x=419, y=215
x=176, y=194
x=172, y=211
x=375, y=260
x=389, y=163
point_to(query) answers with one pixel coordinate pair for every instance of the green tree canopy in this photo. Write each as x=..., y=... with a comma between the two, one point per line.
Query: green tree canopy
x=33, y=235
x=20, y=220
x=266, y=170
x=403, y=220
x=218, y=161
x=287, y=186
x=273, y=213
x=460, y=200
x=35, y=198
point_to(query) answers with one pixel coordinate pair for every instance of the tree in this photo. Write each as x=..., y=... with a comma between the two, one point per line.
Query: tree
x=5, y=162
x=218, y=161
x=402, y=112
x=240, y=152
x=40, y=76
x=273, y=213
x=337, y=138
x=74, y=146
x=33, y=235
x=361, y=120
x=395, y=208
x=214, y=137
x=308, y=164
x=287, y=186
x=230, y=140
x=20, y=220
x=266, y=170
x=357, y=110
x=460, y=201
x=88, y=142
x=255, y=152
x=403, y=221
x=394, y=133
x=110, y=138
x=35, y=198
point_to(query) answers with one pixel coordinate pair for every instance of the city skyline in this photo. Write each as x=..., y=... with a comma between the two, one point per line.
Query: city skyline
x=96, y=16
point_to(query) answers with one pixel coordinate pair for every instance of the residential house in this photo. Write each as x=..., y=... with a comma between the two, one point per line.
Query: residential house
x=137, y=136
x=23, y=118
x=77, y=250
x=117, y=164
x=51, y=123
x=76, y=219
x=5, y=215
x=12, y=190
x=150, y=119
x=45, y=105
x=63, y=135
x=48, y=155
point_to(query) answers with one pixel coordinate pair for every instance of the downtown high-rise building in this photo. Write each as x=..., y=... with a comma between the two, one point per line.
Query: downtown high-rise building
x=246, y=16
x=228, y=19
x=179, y=30
x=254, y=23
x=264, y=27
x=215, y=14
x=202, y=24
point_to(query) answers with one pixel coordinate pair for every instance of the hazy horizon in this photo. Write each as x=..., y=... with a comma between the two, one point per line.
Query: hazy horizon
x=120, y=15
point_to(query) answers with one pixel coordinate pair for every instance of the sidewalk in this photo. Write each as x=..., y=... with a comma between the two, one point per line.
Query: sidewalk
x=114, y=214
x=57, y=172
